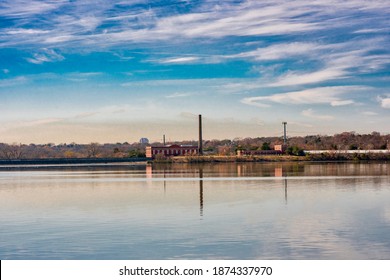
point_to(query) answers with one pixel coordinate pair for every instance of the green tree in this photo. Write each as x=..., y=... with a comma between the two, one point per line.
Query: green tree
x=266, y=146
x=295, y=150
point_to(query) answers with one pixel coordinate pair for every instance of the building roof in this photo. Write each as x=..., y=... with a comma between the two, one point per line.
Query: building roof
x=174, y=146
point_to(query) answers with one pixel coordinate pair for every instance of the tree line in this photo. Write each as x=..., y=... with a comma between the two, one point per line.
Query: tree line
x=296, y=145
x=73, y=150
x=342, y=141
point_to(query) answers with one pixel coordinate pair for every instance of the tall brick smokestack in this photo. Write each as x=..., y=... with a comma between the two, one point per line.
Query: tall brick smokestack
x=200, y=145
x=284, y=133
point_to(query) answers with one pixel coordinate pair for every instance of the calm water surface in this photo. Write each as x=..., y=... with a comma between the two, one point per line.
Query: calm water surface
x=215, y=211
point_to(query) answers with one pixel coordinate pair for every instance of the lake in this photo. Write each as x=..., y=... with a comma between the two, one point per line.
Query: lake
x=209, y=211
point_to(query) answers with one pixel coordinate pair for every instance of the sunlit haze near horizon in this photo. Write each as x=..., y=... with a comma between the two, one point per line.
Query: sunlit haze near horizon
x=115, y=71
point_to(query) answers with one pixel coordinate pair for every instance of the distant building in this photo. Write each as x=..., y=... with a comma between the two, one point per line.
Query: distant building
x=144, y=141
x=171, y=150
x=280, y=147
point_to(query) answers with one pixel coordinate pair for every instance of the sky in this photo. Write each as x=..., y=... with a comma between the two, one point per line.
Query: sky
x=115, y=71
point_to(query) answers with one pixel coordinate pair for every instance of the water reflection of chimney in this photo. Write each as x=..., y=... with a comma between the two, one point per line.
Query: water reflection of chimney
x=285, y=189
x=201, y=191
x=279, y=173
x=165, y=182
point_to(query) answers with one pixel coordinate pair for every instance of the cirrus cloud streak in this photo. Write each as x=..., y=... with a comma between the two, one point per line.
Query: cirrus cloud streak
x=325, y=95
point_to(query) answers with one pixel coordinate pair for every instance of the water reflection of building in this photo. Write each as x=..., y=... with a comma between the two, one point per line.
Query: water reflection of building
x=149, y=175
x=149, y=171
x=239, y=170
x=278, y=171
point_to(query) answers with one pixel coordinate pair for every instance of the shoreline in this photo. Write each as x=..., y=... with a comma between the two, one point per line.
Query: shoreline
x=327, y=157
x=71, y=161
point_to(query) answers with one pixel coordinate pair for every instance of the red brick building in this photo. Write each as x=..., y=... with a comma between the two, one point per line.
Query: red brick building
x=172, y=150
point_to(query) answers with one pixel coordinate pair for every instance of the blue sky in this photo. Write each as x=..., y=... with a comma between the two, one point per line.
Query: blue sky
x=116, y=71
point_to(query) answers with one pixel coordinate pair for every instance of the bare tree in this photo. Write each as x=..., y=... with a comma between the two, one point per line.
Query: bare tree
x=93, y=150
x=4, y=151
x=13, y=151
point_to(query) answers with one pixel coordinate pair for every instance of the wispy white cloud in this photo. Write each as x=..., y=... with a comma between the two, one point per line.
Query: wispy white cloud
x=81, y=76
x=333, y=61
x=323, y=95
x=358, y=56
x=297, y=78
x=105, y=26
x=179, y=60
x=100, y=112
x=57, y=39
x=84, y=115
x=13, y=81
x=248, y=18
x=371, y=30
x=336, y=103
x=369, y=113
x=385, y=101
x=310, y=113
x=25, y=31
x=243, y=22
x=41, y=122
x=36, y=123
x=46, y=55
x=254, y=101
x=178, y=95
x=106, y=110
x=278, y=51
x=180, y=82
x=26, y=8
x=86, y=74
x=75, y=24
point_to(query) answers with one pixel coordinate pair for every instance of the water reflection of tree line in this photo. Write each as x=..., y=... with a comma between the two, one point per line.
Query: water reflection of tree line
x=227, y=169
x=354, y=172
x=268, y=169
